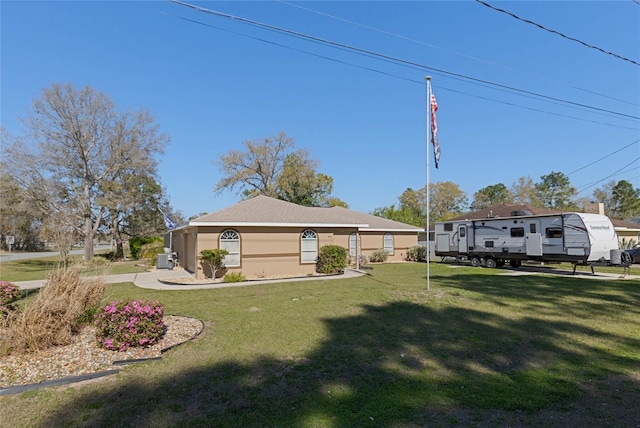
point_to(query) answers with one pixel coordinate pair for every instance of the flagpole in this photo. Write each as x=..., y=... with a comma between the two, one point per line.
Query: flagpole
x=428, y=249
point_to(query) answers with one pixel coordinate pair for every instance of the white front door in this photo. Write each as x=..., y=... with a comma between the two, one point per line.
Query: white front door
x=533, y=238
x=463, y=245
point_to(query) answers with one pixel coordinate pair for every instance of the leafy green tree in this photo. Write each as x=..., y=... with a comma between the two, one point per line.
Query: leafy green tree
x=447, y=201
x=625, y=200
x=556, y=192
x=412, y=208
x=18, y=216
x=133, y=207
x=336, y=202
x=300, y=184
x=403, y=214
x=491, y=195
x=414, y=200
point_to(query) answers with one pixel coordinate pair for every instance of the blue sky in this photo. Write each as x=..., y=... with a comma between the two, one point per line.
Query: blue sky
x=212, y=83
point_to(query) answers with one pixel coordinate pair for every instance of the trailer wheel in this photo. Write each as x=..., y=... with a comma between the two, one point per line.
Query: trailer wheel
x=515, y=263
x=490, y=262
x=500, y=262
x=475, y=261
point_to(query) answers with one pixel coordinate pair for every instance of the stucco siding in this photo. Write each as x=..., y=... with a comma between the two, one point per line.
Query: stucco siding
x=271, y=251
x=268, y=251
x=402, y=241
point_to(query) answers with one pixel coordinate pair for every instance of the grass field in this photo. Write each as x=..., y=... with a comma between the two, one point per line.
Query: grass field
x=478, y=349
x=31, y=269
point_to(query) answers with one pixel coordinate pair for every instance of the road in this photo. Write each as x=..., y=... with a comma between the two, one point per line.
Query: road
x=35, y=255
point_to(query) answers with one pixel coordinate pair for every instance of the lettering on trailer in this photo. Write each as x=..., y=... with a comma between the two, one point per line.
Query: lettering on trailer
x=599, y=227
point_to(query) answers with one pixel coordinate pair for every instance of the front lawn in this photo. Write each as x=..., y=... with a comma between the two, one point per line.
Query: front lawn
x=39, y=268
x=478, y=349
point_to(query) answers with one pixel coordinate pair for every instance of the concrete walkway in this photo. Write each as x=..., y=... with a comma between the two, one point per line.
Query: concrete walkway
x=152, y=280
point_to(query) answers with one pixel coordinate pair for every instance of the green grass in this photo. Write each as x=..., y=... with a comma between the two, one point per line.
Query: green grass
x=32, y=269
x=478, y=349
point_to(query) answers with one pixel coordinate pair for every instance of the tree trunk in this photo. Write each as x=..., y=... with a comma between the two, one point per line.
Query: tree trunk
x=88, y=239
x=119, y=254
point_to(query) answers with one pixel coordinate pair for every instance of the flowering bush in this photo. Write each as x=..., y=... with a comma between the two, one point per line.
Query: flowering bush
x=129, y=323
x=8, y=292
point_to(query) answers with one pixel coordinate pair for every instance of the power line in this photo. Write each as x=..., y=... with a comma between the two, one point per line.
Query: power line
x=604, y=157
x=420, y=42
x=417, y=82
x=381, y=56
x=391, y=59
x=610, y=175
x=388, y=58
x=557, y=32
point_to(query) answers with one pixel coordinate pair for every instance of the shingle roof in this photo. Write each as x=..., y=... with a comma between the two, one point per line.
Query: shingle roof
x=621, y=224
x=265, y=211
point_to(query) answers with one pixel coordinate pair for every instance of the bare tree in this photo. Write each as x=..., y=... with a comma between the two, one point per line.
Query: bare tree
x=60, y=228
x=256, y=170
x=524, y=192
x=271, y=168
x=78, y=145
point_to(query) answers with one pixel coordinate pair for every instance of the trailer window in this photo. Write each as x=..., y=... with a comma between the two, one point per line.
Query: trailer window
x=517, y=232
x=448, y=227
x=553, y=232
x=488, y=244
x=532, y=228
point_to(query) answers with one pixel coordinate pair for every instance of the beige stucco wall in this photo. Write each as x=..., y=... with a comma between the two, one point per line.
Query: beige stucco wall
x=272, y=251
x=268, y=251
x=628, y=235
x=402, y=241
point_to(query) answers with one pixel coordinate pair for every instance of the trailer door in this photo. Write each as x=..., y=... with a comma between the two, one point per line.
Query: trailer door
x=463, y=245
x=533, y=238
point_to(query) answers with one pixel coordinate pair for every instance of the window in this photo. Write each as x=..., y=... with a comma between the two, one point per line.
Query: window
x=353, y=244
x=553, y=232
x=532, y=228
x=230, y=241
x=388, y=243
x=517, y=232
x=308, y=246
x=448, y=227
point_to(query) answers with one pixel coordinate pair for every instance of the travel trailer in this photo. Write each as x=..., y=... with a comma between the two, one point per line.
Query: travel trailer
x=578, y=238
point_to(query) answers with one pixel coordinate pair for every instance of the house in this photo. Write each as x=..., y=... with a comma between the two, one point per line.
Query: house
x=268, y=237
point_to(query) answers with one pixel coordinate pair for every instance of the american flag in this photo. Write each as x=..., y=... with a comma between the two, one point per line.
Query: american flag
x=434, y=130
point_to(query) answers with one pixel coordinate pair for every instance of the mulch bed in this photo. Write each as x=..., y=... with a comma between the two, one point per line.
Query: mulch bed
x=85, y=357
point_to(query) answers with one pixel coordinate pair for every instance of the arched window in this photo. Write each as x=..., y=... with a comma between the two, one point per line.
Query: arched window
x=353, y=244
x=308, y=246
x=388, y=243
x=230, y=241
